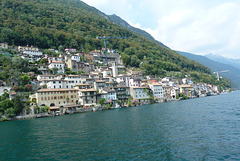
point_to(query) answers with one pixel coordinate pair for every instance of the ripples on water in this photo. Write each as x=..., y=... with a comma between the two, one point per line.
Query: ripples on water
x=198, y=129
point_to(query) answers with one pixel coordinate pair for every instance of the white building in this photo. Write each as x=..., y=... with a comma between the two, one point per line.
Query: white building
x=72, y=80
x=33, y=53
x=41, y=77
x=114, y=69
x=70, y=50
x=28, y=48
x=56, y=59
x=135, y=82
x=157, y=90
x=61, y=81
x=123, y=79
x=139, y=92
x=76, y=58
x=58, y=65
x=110, y=95
x=53, y=83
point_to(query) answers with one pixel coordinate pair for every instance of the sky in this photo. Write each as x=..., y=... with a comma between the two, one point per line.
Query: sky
x=199, y=27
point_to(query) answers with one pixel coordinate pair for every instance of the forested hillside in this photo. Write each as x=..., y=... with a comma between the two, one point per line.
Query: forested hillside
x=72, y=23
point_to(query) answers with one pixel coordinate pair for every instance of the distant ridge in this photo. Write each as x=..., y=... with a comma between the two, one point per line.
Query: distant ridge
x=233, y=75
x=224, y=60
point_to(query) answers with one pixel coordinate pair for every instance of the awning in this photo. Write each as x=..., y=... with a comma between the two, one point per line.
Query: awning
x=53, y=108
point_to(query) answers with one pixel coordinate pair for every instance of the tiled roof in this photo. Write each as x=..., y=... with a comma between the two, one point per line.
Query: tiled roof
x=56, y=90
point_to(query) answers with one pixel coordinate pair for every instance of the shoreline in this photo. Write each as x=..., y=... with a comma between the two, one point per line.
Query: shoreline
x=83, y=110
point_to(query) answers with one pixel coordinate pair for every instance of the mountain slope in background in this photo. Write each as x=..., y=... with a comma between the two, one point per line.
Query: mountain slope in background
x=119, y=21
x=74, y=24
x=224, y=60
x=233, y=74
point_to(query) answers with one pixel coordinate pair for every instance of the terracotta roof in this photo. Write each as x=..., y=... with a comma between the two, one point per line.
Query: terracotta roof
x=109, y=90
x=186, y=86
x=156, y=84
x=82, y=85
x=55, y=90
x=100, y=81
x=87, y=90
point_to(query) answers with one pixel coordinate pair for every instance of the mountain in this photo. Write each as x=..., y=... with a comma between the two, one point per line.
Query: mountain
x=233, y=73
x=224, y=60
x=58, y=24
x=119, y=21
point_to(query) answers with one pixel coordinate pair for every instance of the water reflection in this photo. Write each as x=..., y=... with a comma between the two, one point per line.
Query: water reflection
x=199, y=129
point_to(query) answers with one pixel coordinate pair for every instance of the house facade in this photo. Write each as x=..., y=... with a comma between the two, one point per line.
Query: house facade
x=57, y=97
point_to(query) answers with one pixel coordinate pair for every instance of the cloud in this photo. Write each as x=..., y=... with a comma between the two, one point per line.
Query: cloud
x=199, y=27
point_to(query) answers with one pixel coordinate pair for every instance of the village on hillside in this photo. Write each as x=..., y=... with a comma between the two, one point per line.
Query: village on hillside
x=74, y=81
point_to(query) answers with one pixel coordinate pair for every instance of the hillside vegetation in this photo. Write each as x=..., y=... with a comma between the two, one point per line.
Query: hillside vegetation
x=72, y=23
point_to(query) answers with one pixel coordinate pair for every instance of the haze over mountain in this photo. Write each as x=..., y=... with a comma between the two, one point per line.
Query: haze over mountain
x=233, y=73
x=224, y=60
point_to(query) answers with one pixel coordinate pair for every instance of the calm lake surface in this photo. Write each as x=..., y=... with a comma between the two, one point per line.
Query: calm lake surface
x=197, y=129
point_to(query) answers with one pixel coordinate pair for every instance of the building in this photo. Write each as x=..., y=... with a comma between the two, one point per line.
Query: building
x=57, y=97
x=72, y=80
x=41, y=77
x=51, y=59
x=166, y=92
x=31, y=58
x=4, y=45
x=53, y=83
x=33, y=53
x=157, y=90
x=88, y=81
x=110, y=95
x=114, y=69
x=99, y=84
x=124, y=79
x=186, y=89
x=76, y=66
x=123, y=93
x=87, y=97
x=27, y=48
x=141, y=93
x=135, y=82
x=70, y=50
x=44, y=69
x=57, y=64
x=76, y=58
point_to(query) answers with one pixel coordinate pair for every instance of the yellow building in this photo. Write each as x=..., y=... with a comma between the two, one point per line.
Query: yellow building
x=57, y=97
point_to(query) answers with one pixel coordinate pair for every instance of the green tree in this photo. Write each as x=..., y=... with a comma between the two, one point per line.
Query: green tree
x=102, y=101
x=5, y=104
x=10, y=112
x=24, y=79
x=17, y=105
x=54, y=70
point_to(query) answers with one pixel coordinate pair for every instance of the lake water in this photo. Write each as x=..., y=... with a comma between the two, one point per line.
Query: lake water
x=197, y=129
